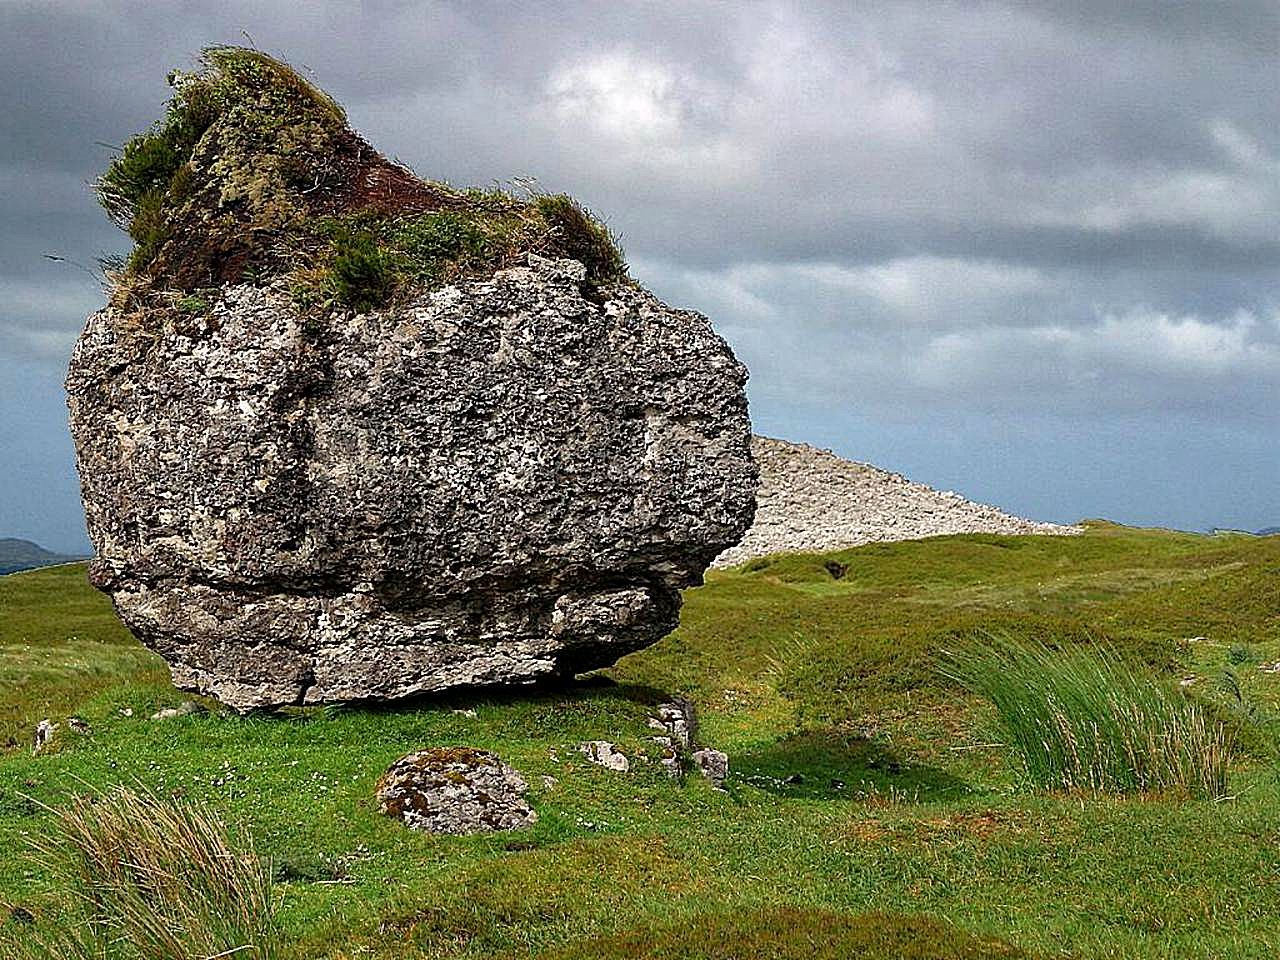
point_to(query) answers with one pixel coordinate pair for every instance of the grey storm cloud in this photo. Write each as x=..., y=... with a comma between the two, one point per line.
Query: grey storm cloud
x=1015, y=219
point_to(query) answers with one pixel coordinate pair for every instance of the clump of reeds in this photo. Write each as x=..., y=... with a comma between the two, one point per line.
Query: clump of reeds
x=152, y=879
x=1092, y=720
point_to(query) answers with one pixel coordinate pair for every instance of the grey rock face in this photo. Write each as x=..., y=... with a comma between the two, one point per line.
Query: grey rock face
x=454, y=790
x=499, y=482
x=712, y=764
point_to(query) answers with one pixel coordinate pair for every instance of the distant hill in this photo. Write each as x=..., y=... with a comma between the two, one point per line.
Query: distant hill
x=18, y=555
x=1268, y=531
x=813, y=501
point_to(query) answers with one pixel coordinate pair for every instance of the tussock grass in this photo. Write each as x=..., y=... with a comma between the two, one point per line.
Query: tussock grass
x=1094, y=721
x=152, y=879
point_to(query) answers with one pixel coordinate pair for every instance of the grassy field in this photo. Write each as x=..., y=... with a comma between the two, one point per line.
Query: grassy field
x=871, y=811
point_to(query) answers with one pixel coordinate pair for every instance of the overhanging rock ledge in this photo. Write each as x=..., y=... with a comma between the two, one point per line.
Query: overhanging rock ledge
x=495, y=482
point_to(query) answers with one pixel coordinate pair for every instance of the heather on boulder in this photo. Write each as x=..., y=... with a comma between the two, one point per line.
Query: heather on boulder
x=346, y=434
x=253, y=171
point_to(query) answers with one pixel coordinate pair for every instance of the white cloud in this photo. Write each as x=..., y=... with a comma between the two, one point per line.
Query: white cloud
x=920, y=333
x=1145, y=356
x=620, y=94
x=42, y=321
x=633, y=111
x=932, y=290
x=1237, y=200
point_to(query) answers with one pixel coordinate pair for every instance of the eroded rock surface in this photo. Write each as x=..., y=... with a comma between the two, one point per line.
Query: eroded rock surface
x=454, y=790
x=496, y=482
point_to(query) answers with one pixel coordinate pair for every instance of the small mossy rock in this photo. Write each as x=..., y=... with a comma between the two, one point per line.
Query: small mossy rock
x=712, y=764
x=454, y=790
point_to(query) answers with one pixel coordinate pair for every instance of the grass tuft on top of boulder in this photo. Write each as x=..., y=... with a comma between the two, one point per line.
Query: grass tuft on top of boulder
x=254, y=174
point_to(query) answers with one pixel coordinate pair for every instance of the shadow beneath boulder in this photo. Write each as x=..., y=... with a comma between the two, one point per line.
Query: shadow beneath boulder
x=592, y=686
x=831, y=764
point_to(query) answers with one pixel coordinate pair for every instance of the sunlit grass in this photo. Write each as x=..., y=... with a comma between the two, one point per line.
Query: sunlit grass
x=1091, y=719
x=146, y=878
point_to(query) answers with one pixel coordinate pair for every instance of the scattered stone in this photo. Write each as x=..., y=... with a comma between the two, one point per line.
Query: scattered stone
x=813, y=501
x=605, y=754
x=454, y=790
x=469, y=713
x=670, y=760
x=1270, y=667
x=678, y=722
x=1188, y=681
x=126, y=711
x=712, y=764
x=77, y=725
x=43, y=735
x=549, y=783
x=184, y=709
x=679, y=719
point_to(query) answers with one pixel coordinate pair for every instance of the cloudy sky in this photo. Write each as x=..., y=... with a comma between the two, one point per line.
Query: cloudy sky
x=1025, y=250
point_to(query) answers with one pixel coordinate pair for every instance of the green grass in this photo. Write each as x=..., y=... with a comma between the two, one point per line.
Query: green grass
x=793, y=934
x=151, y=878
x=867, y=795
x=1092, y=720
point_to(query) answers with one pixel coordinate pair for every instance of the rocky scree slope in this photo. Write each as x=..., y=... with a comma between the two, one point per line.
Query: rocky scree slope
x=812, y=501
x=345, y=434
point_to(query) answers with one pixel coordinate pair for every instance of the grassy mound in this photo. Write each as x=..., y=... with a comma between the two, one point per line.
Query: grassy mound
x=253, y=173
x=793, y=934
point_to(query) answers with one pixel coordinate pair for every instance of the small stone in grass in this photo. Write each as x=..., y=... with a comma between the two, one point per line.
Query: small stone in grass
x=712, y=764
x=184, y=709
x=605, y=754
x=454, y=790
x=43, y=735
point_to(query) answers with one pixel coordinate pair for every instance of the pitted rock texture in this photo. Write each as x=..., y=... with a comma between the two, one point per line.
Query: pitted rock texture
x=498, y=482
x=454, y=790
x=812, y=501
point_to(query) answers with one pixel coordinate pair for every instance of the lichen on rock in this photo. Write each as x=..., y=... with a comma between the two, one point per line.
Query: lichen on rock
x=454, y=790
x=345, y=434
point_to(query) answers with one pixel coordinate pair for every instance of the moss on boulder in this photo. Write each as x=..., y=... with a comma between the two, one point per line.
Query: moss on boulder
x=253, y=173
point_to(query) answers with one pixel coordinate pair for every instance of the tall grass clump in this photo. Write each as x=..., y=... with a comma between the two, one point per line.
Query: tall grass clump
x=1091, y=720
x=152, y=879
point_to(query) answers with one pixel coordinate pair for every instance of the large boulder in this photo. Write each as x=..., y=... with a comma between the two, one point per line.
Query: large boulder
x=345, y=434
x=496, y=482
